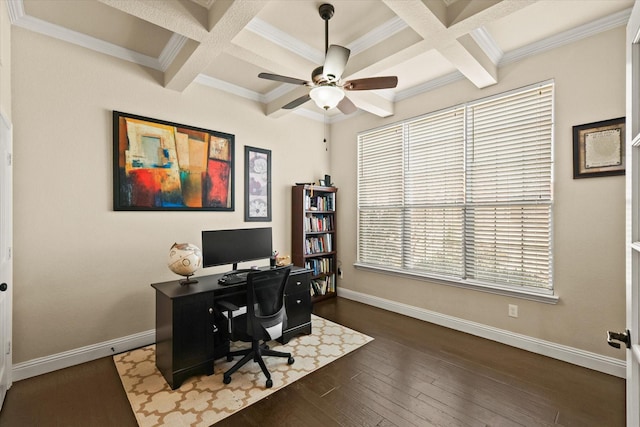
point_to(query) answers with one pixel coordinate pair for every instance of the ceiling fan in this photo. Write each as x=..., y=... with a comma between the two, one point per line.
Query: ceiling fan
x=327, y=88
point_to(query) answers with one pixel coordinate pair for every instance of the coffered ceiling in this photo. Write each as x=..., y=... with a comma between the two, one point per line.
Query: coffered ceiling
x=226, y=44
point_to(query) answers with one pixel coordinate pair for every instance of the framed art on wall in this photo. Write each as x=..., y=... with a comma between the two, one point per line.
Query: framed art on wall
x=598, y=149
x=160, y=165
x=257, y=184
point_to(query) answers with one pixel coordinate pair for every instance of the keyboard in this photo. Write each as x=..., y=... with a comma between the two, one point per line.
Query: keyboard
x=233, y=278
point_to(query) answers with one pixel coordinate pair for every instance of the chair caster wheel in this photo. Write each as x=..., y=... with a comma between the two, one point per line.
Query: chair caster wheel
x=290, y=360
x=229, y=358
x=226, y=379
x=269, y=383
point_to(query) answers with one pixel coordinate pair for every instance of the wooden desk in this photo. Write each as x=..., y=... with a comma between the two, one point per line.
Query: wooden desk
x=191, y=333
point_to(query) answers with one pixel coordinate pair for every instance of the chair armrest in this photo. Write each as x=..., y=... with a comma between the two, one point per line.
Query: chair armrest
x=228, y=306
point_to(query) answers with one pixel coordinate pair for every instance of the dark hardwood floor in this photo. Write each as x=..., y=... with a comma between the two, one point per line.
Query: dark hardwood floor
x=413, y=374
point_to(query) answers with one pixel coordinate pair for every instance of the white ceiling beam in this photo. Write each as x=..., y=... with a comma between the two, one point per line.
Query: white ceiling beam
x=169, y=14
x=372, y=103
x=472, y=62
x=488, y=15
x=355, y=70
x=209, y=35
x=227, y=18
x=270, y=57
x=463, y=9
x=430, y=27
x=429, y=20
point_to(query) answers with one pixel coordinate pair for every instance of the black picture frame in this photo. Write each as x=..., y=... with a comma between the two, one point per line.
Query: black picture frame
x=257, y=184
x=164, y=166
x=599, y=149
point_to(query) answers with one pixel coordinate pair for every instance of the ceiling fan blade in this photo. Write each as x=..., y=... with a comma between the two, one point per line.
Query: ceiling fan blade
x=297, y=102
x=370, y=83
x=284, y=79
x=346, y=106
x=335, y=62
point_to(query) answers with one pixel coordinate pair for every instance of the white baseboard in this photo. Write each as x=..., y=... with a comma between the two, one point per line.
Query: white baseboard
x=572, y=355
x=598, y=362
x=43, y=365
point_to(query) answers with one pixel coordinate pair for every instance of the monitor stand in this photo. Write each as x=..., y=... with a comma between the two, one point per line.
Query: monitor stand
x=235, y=270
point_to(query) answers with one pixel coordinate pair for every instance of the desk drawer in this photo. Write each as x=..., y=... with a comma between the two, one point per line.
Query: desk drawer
x=297, y=283
x=298, y=308
x=297, y=301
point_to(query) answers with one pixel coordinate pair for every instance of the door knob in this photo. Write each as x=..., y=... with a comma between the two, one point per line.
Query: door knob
x=624, y=337
x=3, y=287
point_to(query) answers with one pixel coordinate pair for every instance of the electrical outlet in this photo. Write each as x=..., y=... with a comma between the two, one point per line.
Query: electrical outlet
x=513, y=310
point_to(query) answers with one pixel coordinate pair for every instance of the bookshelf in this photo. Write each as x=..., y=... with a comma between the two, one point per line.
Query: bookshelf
x=313, y=237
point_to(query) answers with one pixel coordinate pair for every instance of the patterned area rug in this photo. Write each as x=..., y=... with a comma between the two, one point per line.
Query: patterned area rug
x=204, y=400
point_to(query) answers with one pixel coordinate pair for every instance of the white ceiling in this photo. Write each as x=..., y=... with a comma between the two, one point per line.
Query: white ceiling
x=225, y=43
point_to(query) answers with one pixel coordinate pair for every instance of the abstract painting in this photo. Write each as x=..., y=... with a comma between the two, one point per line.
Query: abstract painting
x=257, y=184
x=160, y=165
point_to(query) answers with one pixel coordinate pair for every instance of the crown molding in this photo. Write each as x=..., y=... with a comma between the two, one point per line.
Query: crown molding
x=284, y=40
x=16, y=10
x=603, y=24
x=378, y=35
x=171, y=50
x=429, y=86
x=55, y=31
x=264, y=99
x=488, y=44
x=278, y=92
x=309, y=114
x=484, y=39
x=229, y=88
x=20, y=19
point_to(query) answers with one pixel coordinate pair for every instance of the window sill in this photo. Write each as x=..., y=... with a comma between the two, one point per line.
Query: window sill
x=542, y=296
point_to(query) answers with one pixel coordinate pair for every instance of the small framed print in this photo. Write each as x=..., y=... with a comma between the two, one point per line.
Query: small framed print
x=257, y=184
x=598, y=149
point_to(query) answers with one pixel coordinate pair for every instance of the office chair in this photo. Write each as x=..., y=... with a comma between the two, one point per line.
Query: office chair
x=264, y=320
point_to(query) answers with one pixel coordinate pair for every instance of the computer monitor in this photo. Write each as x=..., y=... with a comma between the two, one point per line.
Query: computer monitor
x=220, y=247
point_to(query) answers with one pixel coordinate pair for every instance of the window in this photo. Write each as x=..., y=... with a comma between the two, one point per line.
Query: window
x=462, y=194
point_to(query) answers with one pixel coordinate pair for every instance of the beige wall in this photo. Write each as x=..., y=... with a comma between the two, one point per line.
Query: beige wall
x=589, y=268
x=82, y=271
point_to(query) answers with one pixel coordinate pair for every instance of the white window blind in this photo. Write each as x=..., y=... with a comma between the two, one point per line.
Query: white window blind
x=434, y=193
x=464, y=193
x=380, y=196
x=508, y=222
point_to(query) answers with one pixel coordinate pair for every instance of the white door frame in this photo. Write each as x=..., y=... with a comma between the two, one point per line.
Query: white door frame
x=6, y=258
x=632, y=145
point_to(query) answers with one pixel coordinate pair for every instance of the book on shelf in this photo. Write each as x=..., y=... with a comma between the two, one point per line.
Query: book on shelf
x=318, y=223
x=318, y=245
x=319, y=265
x=320, y=287
x=326, y=202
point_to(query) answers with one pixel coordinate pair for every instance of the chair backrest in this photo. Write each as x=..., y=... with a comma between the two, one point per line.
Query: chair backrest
x=265, y=301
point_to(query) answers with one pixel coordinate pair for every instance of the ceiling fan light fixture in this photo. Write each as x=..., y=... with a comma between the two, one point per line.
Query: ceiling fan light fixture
x=326, y=97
